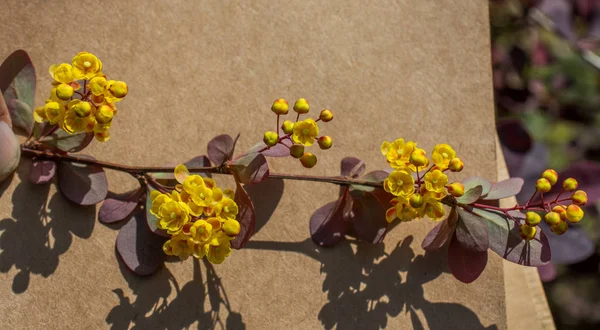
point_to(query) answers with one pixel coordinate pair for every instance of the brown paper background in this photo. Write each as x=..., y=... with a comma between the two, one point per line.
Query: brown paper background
x=413, y=69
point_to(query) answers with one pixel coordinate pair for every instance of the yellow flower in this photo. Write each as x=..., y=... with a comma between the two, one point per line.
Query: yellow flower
x=172, y=216
x=398, y=153
x=102, y=136
x=192, y=182
x=432, y=208
x=404, y=211
x=81, y=108
x=54, y=112
x=399, y=183
x=179, y=245
x=104, y=114
x=435, y=181
x=115, y=91
x=227, y=209
x=39, y=115
x=202, y=196
x=86, y=66
x=97, y=85
x=218, y=249
x=75, y=124
x=442, y=155
x=201, y=231
x=62, y=73
x=305, y=132
x=158, y=200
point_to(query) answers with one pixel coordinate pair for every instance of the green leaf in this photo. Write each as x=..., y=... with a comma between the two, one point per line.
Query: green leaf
x=471, y=233
x=17, y=83
x=21, y=114
x=474, y=181
x=503, y=189
x=505, y=239
x=470, y=196
x=61, y=140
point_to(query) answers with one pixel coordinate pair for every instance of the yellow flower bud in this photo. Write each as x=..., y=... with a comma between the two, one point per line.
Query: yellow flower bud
x=527, y=232
x=574, y=213
x=64, y=91
x=104, y=114
x=416, y=200
x=550, y=175
x=270, y=138
x=417, y=158
x=579, y=198
x=81, y=108
x=543, y=185
x=280, y=107
x=552, y=218
x=308, y=160
x=325, y=142
x=97, y=85
x=326, y=115
x=102, y=136
x=532, y=219
x=297, y=150
x=456, y=165
x=560, y=227
x=456, y=189
x=301, y=106
x=287, y=127
x=570, y=184
x=231, y=227
x=561, y=210
x=118, y=89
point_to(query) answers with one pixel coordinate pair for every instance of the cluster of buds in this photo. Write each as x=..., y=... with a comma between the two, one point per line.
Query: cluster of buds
x=419, y=187
x=199, y=216
x=301, y=133
x=558, y=216
x=82, y=99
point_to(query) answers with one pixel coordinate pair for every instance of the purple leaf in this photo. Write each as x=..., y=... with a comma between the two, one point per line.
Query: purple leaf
x=513, y=135
x=472, y=182
x=282, y=149
x=586, y=173
x=505, y=239
x=559, y=12
x=441, y=233
x=369, y=218
x=246, y=217
x=220, y=149
x=352, y=167
x=252, y=168
x=151, y=219
x=63, y=141
x=571, y=247
x=119, y=207
x=471, y=232
x=17, y=83
x=470, y=196
x=547, y=272
x=374, y=176
x=466, y=265
x=328, y=225
x=140, y=250
x=82, y=184
x=42, y=171
x=507, y=188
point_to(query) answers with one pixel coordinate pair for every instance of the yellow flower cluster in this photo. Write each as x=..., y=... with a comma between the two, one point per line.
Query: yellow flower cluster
x=82, y=99
x=561, y=215
x=199, y=216
x=301, y=133
x=418, y=196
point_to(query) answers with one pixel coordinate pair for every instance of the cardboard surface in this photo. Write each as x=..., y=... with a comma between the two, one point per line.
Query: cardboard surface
x=413, y=69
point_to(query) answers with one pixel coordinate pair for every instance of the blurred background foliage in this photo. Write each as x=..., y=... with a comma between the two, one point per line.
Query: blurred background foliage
x=547, y=96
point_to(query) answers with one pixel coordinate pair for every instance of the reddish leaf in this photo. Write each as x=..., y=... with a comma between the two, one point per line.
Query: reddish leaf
x=470, y=196
x=369, y=218
x=140, y=250
x=151, y=219
x=352, y=167
x=471, y=232
x=547, y=272
x=282, y=149
x=472, y=182
x=513, y=135
x=42, y=171
x=252, y=168
x=505, y=240
x=587, y=174
x=374, y=176
x=246, y=217
x=220, y=149
x=507, y=188
x=466, y=265
x=559, y=12
x=571, y=247
x=82, y=184
x=17, y=83
x=119, y=207
x=63, y=141
x=441, y=233
x=328, y=225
